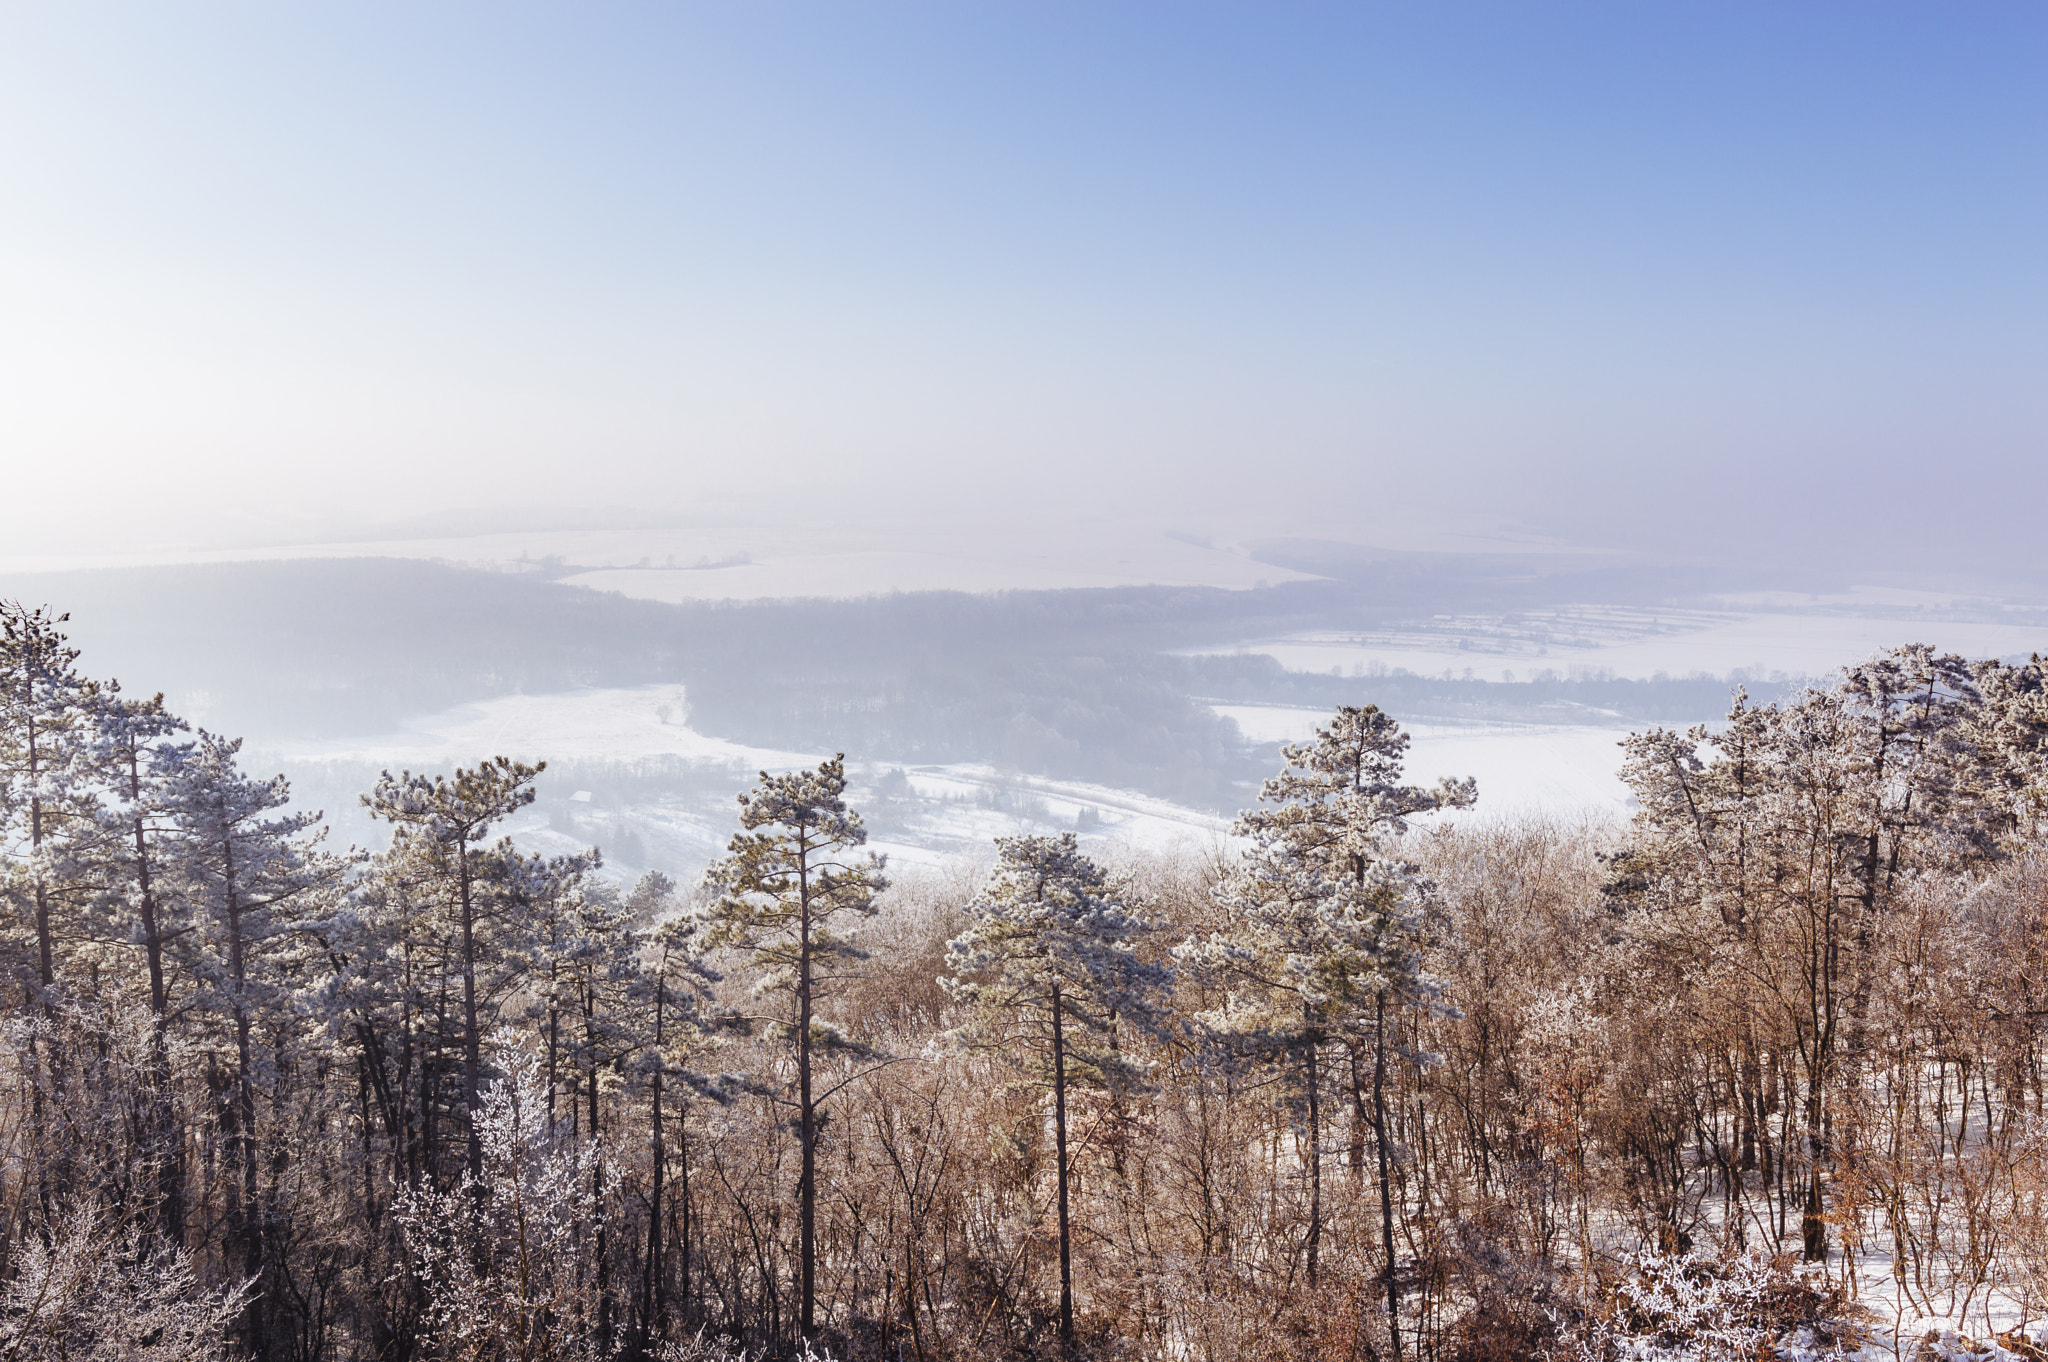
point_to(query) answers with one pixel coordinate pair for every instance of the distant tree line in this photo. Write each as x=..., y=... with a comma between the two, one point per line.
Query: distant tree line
x=1356, y=1088
x=1109, y=686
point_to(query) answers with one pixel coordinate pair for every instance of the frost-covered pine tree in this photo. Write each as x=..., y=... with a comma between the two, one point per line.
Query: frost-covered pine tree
x=793, y=871
x=46, y=789
x=137, y=756
x=2008, y=732
x=674, y=1016
x=454, y=813
x=245, y=868
x=554, y=949
x=1047, y=967
x=1323, y=922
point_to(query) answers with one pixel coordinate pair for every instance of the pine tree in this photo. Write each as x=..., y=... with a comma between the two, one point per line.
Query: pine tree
x=1324, y=923
x=455, y=812
x=137, y=761
x=790, y=874
x=675, y=1016
x=245, y=869
x=1048, y=968
x=46, y=791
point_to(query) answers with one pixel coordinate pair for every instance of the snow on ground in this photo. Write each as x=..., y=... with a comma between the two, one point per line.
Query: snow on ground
x=936, y=812
x=950, y=812
x=1521, y=768
x=941, y=810
x=627, y=724
x=1641, y=644
x=975, y=804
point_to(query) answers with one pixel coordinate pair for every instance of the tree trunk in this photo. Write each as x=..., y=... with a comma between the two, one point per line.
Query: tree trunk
x=650, y=1291
x=46, y=954
x=1059, y=1127
x=1813, y=1225
x=1315, y=1148
x=472, y=1056
x=170, y=1179
x=245, y=1091
x=601, y=1266
x=807, y=1120
x=1379, y=1115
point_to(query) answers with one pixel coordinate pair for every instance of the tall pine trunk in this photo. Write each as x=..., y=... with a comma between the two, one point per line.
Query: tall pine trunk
x=244, y=1170
x=807, y=1118
x=1059, y=1126
x=472, y=1043
x=1379, y=1116
x=1314, y=1042
x=651, y=1285
x=169, y=1151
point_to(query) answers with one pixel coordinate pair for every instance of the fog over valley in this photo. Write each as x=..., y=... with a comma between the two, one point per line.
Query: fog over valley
x=1023, y=683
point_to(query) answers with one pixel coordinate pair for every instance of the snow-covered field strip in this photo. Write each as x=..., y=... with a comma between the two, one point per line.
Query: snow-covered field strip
x=1672, y=643
x=959, y=807
x=1521, y=768
x=620, y=724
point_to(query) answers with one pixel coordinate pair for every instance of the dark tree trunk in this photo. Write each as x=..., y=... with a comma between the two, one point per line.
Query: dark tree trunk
x=472, y=1042
x=1059, y=1126
x=807, y=1120
x=169, y=1149
x=1379, y=1116
x=1315, y=1147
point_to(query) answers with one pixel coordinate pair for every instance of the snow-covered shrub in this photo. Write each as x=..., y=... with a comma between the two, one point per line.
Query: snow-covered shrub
x=1697, y=1308
x=499, y=1256
x=98, y=1292
x=702, y=1349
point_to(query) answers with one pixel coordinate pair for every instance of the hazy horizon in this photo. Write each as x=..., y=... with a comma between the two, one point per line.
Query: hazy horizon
x=1748, y=285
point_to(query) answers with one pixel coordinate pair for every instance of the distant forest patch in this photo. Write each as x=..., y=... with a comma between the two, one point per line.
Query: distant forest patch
x=1109, y=686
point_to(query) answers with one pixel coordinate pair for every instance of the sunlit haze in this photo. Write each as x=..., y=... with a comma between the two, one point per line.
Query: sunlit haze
x=1594, y=274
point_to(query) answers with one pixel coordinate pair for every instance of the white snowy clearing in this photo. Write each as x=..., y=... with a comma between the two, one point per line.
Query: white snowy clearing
x=938, y=812
x=935, y=812
x=1640, y=644
x=1521, y=768
x=618, y=725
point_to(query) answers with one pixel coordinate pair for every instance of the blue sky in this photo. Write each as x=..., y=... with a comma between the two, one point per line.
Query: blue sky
x=1580, y=268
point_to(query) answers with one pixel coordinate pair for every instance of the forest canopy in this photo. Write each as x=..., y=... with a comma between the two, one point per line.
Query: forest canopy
x=1759, y=1068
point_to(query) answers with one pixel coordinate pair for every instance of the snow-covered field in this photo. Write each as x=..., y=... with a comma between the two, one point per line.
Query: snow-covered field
x=1520, y=767
x=1790, y=641
x=619, y=725
x=924, y=816
x=929, y=812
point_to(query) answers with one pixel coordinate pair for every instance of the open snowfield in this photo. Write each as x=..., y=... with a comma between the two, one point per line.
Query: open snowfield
x=1789, y=642
x=1521, y=768
x=949, y=809
x=622, y=725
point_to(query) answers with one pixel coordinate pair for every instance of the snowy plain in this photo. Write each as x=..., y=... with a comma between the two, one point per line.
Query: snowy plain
x=936, y=811
x=1790, y=640
x=1521, y=768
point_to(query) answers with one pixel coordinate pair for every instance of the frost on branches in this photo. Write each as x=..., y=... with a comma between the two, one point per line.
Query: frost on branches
x=99, y=1291
x=1700, y=1308
x=1324, y=929
x=498, y=1256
